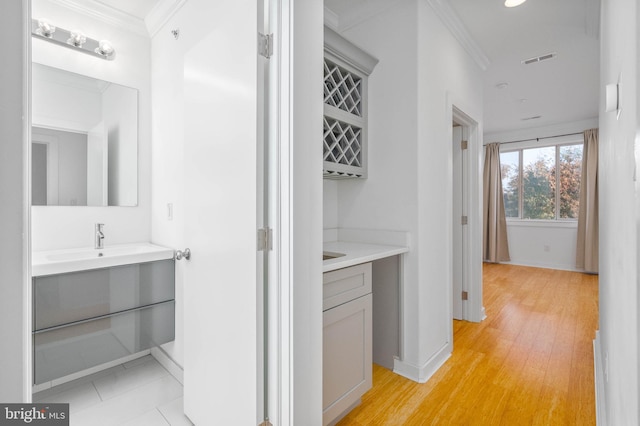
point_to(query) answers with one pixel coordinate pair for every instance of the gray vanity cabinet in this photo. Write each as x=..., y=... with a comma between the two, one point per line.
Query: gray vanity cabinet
x=87, y=318
x=347, y=340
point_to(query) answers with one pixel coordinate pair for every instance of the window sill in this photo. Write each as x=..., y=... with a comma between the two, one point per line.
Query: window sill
x=542, y=223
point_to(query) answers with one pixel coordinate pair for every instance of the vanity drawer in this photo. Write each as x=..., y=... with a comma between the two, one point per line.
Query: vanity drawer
x=68, y=349
x=75, y=296
x=346, y=284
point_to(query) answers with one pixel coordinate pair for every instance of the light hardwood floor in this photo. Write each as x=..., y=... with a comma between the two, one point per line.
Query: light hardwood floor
x=529, y=363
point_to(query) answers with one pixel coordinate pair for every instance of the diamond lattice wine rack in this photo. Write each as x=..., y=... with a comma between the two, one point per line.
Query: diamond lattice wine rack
x=346, y=69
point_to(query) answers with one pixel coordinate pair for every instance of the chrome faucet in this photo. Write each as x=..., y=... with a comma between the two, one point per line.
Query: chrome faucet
x=99, y=236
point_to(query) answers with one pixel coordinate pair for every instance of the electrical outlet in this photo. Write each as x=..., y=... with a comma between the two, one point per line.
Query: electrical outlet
x=606, y=367
x=169, y=211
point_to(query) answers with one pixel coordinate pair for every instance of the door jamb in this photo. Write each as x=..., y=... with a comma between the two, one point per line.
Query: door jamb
x=473, y=309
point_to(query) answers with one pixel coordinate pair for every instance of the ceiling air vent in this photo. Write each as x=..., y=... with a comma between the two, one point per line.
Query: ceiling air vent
x=539, y=58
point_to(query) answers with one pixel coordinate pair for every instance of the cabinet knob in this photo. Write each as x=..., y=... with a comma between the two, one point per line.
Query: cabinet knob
x=186, y=253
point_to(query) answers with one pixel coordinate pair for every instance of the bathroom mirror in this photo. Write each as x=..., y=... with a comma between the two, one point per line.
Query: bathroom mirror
x=84, y=140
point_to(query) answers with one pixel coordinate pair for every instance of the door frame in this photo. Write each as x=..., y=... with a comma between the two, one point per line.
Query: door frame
x=473, y=309
x=295, y=192
x=459, y=231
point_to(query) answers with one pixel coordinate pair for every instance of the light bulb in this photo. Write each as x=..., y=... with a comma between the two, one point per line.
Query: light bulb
x=45, y=28
x=76, y=38
x=105, y=48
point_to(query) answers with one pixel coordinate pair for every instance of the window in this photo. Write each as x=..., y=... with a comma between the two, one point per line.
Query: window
x=542, y=183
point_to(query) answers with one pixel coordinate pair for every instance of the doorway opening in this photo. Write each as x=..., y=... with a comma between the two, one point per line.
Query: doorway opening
x=466, y=232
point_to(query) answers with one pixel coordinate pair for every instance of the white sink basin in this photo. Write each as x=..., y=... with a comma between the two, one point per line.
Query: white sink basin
x=81, y=259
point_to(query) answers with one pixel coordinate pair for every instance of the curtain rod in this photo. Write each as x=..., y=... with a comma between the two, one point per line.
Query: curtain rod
x=544, y=137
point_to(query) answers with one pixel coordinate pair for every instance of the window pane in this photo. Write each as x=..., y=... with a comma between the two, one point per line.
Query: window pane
x=538, y=183
x=570, y=172
x=509, y=168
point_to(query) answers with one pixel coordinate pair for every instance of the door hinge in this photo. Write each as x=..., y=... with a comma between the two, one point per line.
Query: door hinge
x=464, y=145
x=265, y=45
x=465, y=220
x=465, y=295
x=265, y=237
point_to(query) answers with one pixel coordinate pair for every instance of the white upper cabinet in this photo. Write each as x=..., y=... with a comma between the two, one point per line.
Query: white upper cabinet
x=346, y=70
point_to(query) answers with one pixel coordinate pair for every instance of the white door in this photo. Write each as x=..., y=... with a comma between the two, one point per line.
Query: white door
x=220, y=190
x=458, y=212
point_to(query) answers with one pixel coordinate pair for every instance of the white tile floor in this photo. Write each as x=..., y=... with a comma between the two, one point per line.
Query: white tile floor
x=138, y=393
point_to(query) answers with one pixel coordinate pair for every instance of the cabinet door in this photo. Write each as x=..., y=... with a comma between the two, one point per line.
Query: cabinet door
x=346, y=358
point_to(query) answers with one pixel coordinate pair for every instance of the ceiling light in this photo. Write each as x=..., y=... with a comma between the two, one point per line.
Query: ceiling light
x=513, y=3
x=502, y=85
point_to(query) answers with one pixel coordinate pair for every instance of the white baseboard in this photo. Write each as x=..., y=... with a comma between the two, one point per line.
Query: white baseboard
x=601, y=412
x=168, y=363
x=560, y=267
x=423, y=373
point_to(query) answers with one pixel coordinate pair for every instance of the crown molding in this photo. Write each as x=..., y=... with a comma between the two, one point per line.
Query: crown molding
x=161, y=13
x=357, y=15
x=452, y=21
x=331, y=19
x=348, y=52
x=104, y=13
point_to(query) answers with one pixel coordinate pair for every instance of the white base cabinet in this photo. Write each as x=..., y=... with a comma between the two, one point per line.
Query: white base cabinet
x=347, y=340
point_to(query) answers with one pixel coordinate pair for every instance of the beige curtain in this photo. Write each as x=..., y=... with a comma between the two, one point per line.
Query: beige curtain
x=587, y=249
x=495, y=244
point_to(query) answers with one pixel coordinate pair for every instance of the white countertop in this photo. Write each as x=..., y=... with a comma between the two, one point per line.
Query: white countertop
x=84, y=258
x=357, y=253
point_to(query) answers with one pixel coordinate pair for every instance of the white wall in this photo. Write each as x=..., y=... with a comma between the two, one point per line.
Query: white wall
x=422, y=70
x=330, y=212
x=304, y=247
x=167, y=85
x=14, y=357
x=542, y=244
x=65, y=227
x=619, y=155
x=545, y=244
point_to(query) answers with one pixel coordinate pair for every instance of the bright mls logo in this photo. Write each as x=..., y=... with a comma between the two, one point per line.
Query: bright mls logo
x=34, y=414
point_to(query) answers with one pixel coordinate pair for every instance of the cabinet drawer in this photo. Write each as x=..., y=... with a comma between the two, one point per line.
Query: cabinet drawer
x=346, y=356
x=65, y=298
x=76, y=347
x=346, y=284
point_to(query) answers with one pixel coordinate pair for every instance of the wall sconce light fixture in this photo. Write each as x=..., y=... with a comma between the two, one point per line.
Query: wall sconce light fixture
x=42, y=29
